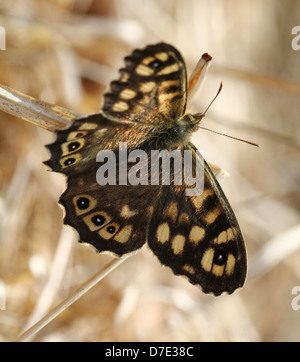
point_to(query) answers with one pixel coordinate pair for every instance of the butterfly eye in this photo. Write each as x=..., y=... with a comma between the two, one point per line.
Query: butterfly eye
x=83, y=203
x=156, y=64
x=98, y=220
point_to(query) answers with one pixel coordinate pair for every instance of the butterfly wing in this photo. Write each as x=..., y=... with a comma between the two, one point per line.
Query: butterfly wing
x=111, y=218
x=151, y=87
x=151, y=90
x=75, y=148
x=199, y=237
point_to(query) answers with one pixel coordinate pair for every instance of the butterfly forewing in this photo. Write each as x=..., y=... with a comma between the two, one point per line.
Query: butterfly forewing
x=74, y=148
x=151, y=90
x=152, y=85
x=199, y=237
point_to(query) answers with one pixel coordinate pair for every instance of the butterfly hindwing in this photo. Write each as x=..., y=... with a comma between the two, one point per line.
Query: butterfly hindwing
x=111, y=218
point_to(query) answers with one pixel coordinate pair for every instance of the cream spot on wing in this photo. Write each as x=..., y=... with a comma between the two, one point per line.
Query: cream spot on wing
x=163, y=232
x=144, y=100
x=125, y=77
x=167, y=97
x=124, y=234
x=188, y=268
x=138, y=109
x=196, y=234
x=147, y=87
x=127, y=93
x=109, y=231
x=183, y=218
x=211, y=216
x=230, y=264
x=172, y=211
x=148, y=60
x=149, y=211
x=100, y=132
x=120, y=106
x=169, y=83
x=207, y=259
x=222, y=238
x=163, y=56
x=127, y=213
x=143, y=70
x=218, y=270
x=88, y=126
x=230, y=235
x=198, y=200
x=178, y=243
x=169, y=69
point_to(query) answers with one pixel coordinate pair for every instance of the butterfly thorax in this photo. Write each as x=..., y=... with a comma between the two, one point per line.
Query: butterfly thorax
x=170, y=135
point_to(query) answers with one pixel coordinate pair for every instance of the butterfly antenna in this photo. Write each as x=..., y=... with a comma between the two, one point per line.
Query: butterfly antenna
x=235, y=138
x=219, y=90
x=224, y=134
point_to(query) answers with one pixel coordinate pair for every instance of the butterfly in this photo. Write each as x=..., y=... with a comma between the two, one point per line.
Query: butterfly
x=196, y=235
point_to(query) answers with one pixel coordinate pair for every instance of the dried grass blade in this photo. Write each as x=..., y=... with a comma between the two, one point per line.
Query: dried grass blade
x=40, y=113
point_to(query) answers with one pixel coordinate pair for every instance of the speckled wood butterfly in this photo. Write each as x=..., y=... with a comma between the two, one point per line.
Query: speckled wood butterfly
x=196, y=236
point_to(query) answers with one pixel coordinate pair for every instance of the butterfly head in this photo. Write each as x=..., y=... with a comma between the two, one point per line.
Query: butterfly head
x=189, y=123
x=175, y=134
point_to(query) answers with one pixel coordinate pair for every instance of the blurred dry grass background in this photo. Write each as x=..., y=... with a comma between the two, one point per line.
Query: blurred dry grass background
x=66, y=52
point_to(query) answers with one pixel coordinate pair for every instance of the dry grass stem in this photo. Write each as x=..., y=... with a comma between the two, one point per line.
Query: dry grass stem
x=71, y=299
x=40, y=113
